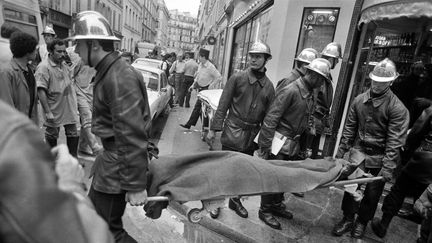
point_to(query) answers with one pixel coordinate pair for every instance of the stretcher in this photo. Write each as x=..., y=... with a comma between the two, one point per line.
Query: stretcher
x=194, y=215
x=209, y=103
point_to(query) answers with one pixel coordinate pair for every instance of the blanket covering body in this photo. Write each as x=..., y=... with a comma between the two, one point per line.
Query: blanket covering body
x=219, y=174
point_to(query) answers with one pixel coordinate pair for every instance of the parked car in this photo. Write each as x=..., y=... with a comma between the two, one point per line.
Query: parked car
x=158, y=90
x=149, y=62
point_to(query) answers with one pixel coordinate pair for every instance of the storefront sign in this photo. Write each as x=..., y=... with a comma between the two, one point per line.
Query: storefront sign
x=60, y=19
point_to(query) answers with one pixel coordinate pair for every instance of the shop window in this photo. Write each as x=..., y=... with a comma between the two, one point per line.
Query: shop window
x=23, y=21
x=254, y=29
x=318, y=28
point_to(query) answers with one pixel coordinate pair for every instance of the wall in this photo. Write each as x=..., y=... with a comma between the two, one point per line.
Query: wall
x=284, y=32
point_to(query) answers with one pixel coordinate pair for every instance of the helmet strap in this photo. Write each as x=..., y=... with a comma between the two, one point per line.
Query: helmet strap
x=89, y=45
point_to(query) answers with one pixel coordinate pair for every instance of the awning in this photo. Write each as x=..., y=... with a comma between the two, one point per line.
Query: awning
x=374, y=10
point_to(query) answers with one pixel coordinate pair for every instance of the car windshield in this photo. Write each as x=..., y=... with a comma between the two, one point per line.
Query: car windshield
x=150, y=79
x=148, y=62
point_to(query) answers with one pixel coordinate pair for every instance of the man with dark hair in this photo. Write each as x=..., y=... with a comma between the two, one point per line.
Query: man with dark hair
x=121, y=118
x=206, y=75
x=17, y=82
x=128, y=57
x=57, y=96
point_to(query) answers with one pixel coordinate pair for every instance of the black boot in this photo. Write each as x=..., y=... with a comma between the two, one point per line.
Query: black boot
x=51, y=142
x=267, y=217
x=72, y=143
x=236, y=205
x=380, y=227
x=358, y=230
x=343, y=226
x=279, y=209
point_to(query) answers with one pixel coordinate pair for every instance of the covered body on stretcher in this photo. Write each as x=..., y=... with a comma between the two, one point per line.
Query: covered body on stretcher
x=221, y=174
x=209, y=100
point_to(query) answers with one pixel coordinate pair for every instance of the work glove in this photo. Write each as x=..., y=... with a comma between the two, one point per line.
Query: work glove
x=262, y=153
x=386, y=173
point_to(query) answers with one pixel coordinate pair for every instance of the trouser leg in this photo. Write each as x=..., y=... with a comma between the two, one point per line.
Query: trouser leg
x=188, y=83
x=111, y=208
x=394, y=200
x=177, y=88
x=371, y=198
x=51, y=135
x=72, y=139
x=196, y=112
x=349, y=206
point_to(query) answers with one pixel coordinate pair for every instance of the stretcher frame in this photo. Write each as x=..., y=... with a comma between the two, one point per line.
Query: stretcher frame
x=194, y=215
x=206, y=112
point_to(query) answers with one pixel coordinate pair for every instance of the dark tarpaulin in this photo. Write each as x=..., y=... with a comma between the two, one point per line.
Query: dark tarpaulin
x=218, y=174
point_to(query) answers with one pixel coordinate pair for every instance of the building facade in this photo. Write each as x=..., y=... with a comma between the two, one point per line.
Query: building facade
x=181, y=32
x=150, y=19
x=132, y=25
x=162, y=25
x=229, y=27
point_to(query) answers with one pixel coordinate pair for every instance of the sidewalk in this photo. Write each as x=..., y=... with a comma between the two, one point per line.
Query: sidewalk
x=314, y=215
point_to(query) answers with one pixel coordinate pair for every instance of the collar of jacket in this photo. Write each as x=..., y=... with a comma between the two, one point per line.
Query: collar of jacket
x=376, y=101
x=104, y=64
x=253, y=79
x=305, y=93
x=16, y=66
x=299, y=72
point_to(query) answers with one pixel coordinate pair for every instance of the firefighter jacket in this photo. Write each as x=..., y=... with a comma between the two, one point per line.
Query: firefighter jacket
x=378, y=127
x=293, y=76
x=121, y=118
x=246, y=99
x=289, y=114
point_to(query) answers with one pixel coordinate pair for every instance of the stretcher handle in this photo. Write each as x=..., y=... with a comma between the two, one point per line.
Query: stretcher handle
x=357, y=181
x=157, y=199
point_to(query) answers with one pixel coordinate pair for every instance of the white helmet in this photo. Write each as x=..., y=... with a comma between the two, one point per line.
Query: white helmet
x=384, y=71
x=91, y=25
x=307, y=55
x=48, y=30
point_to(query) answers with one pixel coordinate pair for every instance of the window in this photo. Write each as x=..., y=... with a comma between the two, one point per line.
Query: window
x=318, y=28
x=23, y=21
x=151, y=79
x=255, y=29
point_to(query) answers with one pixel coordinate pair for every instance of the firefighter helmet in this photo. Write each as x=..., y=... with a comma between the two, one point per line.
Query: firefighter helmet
x=384, y=71
x=91, y=25
x=260, y=48
x=48, y=31
x=307, y=55
x=320, y=66
x=332, y=49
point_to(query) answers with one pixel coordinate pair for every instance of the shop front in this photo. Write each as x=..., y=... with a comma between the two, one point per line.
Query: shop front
x=401, y=31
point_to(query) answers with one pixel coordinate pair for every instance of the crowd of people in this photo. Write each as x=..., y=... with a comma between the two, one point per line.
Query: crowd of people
x=94, y=87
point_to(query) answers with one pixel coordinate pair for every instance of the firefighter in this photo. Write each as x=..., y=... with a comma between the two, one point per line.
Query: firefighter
x=377, y=125
x=289, y=114
x=246, y=97
x=305, y=57
x=121, y=118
